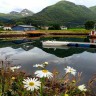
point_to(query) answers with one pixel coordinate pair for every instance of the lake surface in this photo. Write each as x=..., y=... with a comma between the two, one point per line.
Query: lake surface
x=28, y=54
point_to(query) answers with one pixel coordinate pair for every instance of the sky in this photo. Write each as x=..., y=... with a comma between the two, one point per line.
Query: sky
x=35, y=6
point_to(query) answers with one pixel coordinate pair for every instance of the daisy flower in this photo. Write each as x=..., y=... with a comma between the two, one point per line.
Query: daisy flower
x=44, y=73
x=38, y=65
x=70, y=70
x=31, y=84
x=82, y=87
x=14, y=68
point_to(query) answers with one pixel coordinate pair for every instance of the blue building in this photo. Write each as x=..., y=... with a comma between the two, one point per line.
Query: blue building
x=23, y=28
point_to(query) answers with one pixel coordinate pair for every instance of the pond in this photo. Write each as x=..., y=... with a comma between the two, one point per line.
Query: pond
x=28, y=54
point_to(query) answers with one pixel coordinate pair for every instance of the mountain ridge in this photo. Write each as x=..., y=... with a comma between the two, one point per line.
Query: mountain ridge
x=62, y=13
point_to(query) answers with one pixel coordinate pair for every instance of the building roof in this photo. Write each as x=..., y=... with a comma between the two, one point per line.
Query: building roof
x=26, y=26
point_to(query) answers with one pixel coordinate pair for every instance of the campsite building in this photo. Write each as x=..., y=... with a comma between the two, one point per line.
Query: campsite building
x=23, y=28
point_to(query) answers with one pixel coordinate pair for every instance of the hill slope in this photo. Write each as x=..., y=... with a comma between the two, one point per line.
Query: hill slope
x=63, y=12
x=93, y=8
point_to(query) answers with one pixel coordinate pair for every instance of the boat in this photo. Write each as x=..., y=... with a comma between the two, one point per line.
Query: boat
x=70, y=44
x=56, y=47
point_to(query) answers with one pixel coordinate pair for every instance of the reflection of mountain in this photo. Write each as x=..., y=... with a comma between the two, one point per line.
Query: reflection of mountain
x=67, y=52
x=25, y=46
x=25, y=56
x=84, y=62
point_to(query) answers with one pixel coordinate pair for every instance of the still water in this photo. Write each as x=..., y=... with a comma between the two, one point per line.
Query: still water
x=28, y=54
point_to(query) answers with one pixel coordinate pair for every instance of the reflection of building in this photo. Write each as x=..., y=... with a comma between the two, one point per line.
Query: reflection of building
x=23, y=28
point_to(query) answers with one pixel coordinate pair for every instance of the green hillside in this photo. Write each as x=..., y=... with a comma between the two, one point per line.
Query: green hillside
x=93, y=8
x=64, y=13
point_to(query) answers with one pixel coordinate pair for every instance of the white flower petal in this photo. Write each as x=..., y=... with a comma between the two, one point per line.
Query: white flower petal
x=43, y=73
x=70, y=70
x=82, y=87
x=36, y=84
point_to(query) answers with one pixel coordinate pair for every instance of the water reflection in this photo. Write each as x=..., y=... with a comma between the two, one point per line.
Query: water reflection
x=84, y=62
x=28, y=54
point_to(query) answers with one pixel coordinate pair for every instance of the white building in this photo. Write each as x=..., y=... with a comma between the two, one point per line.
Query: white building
x=7, y=28
x=63, y=27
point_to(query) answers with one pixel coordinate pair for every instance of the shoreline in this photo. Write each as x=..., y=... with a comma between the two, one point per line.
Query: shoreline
x=38, y=33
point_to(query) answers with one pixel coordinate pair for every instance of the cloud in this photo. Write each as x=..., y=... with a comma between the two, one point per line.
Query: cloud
x=36, y=5
x=87, y=3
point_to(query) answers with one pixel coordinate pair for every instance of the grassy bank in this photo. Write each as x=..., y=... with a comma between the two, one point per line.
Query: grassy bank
x=67, y=31
x=51, y=31
x=38, y=33
x=11, y=32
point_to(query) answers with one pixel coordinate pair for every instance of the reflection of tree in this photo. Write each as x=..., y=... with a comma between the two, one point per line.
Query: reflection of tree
x=67, y=52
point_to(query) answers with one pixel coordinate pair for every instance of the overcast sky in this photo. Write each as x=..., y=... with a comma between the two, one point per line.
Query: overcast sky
x=36, y=5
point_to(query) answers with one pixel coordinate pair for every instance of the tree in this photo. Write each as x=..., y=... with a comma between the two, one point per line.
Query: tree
x=20, y=23
x=1, y=24
x=55, y=27
x=89, y=25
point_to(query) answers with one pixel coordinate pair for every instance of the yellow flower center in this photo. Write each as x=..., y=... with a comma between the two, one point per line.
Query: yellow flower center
x=70, y=70
x=31, y=83
x=44, y=71
x=13, y=78
x=66, y=95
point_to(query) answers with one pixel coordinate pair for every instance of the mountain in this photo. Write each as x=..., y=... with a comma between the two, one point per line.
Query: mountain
x=26, y=12
x=93, y=8
x=23, y=13
x=14, y=13
x=64, y=13
x=10, y=17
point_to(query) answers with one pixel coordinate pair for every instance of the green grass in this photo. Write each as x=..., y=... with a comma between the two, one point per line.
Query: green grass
x=67, y=31
x=11, y=32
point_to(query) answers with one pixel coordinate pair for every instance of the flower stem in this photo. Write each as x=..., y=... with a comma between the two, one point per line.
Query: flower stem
x=41, y=88
x=2, y=78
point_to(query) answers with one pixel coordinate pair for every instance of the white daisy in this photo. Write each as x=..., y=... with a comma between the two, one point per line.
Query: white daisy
x=31, y=84
x=70, y=70
x=14, y=68
x=82, y=87
x=44, y=73
x=38, y=65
